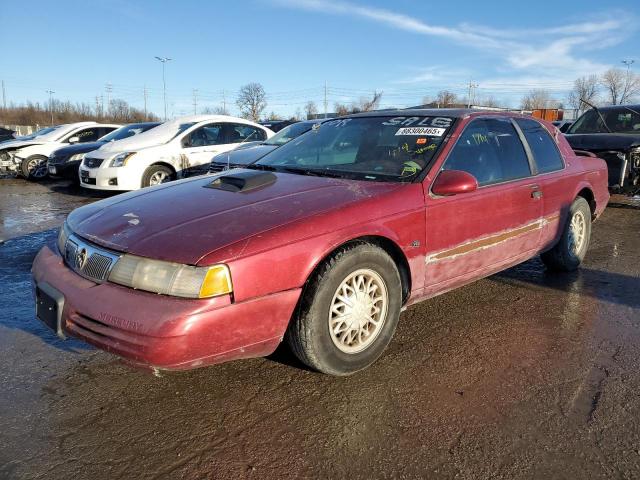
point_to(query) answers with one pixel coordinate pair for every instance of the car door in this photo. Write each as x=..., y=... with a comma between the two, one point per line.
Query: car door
x=475, y=234
x=202, y=144
x=550, y=177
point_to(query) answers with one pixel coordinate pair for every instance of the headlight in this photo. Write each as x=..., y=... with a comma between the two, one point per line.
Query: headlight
x=77, y=156
x=63, y=235
x=635, y=157
x=170, y=278
x=120, y=160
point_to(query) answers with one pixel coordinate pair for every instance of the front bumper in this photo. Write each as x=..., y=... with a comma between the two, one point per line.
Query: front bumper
x=163, y=332
x=109, y=178
x=66, y=169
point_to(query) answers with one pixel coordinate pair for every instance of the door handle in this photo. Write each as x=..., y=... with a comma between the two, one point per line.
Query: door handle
x=536, y=194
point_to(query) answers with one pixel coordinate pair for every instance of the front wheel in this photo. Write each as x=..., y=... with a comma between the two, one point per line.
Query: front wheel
x=156, y=174
x=34, y=168
x=348, y=312
x=569, y=252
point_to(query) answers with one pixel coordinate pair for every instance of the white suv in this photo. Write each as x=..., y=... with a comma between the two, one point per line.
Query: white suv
x=29, y=155
x=175, y=149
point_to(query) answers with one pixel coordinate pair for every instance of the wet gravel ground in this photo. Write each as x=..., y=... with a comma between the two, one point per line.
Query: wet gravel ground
x=522, y=375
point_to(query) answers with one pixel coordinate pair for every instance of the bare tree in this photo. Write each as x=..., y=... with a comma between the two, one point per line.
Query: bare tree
x=341, y=109
x=215, y=111
x=446, y=98
x=620, y=86
x=367, y=104
x=490, y=101
x=538, y=98
x=252, y=100
x=274, y=116
x=310, y=109
x=585, y=88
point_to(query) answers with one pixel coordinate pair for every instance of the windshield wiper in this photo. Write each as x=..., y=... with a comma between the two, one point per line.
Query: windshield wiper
x=313, y=172
x=261, y=166
x=598, y=112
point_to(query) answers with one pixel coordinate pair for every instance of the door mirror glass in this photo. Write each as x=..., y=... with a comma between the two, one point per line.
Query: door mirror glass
x=74, y=139
x=454, y=182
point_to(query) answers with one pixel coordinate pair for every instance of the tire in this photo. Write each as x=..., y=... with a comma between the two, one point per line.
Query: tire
x=157, y=174
x=565, y=256
x=34, y=168
x=310, y=336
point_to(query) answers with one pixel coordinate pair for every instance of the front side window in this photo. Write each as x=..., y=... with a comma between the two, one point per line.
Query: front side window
x=491, y=151
x=544, y=149
x=245, y=133
x=380, y=148
x=87, y=135
x=207, y=135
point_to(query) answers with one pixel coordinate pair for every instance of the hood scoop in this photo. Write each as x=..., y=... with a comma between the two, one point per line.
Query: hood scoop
x=242, y=181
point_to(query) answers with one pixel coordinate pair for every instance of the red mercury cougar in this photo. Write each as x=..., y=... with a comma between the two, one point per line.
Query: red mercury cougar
x=322, y=242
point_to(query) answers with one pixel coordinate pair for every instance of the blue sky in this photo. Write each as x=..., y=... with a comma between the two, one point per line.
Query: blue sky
x=407, y=49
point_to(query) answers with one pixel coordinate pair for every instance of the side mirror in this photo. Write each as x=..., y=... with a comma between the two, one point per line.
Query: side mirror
x=454, y=182
x=74, y=139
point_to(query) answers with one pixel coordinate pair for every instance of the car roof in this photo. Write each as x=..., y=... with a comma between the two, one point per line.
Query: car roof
x=428, y=112
x=618, y=107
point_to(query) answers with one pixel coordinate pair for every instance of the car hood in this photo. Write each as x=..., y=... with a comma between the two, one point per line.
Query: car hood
x=184, y=221
x=19, y=144
x=603, y=141
x=78, y=148
x=244, y=156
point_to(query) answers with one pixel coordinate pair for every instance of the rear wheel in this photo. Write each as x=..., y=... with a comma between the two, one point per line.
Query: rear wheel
x=157, y=174
x=348, y=312
x=34, y=167
x=568, y=253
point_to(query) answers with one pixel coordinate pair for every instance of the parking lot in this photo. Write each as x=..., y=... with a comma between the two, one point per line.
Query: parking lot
x=521, y=375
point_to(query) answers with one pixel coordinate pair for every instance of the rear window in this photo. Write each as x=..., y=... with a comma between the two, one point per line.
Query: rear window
x=544, y=149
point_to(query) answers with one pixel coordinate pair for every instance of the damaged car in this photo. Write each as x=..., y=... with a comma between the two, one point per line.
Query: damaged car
x=322, y=242
x=28, y=156
x=175, y=149
x=613, y=134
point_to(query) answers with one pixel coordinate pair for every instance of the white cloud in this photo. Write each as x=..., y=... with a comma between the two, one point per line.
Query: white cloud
x=552, y=50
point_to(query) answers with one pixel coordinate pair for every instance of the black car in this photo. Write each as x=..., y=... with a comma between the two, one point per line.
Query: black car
x=252, y=152
x=276, y=125
x=6, y=134
x=613, y=134
x=65, y=161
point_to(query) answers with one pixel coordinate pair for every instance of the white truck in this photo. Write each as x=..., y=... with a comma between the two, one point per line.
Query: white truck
x=175, y=149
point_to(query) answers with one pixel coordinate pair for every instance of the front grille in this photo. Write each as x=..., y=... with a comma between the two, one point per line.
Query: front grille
x=57, y=159
x=93, y=263
x=91, y=162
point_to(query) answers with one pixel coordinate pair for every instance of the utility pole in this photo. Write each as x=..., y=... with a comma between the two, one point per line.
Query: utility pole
x=4, y=97
x=164, y=60
x=195, y=101
x=144, y=93
x=471, y=87
x=51, y=92
x=109, y=88
x=224, y=102
x=325, y=99
x=627, y=80
x=97, y=106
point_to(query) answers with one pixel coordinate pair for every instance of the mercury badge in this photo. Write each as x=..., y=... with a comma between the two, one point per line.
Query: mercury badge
x=81, y=258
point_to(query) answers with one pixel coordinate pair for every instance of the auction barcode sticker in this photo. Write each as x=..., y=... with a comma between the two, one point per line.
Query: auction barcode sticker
x=432, y=131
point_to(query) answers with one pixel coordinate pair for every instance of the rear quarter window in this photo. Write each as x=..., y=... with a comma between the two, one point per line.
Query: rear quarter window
x=544, y=148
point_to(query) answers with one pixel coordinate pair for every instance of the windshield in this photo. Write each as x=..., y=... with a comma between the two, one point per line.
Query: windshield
x=127, y=131
x=363, y=148
x=39, y=133
x=289, y=133
x=619, y=120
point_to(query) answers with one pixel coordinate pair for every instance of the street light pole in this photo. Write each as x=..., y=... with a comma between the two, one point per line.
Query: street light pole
x=627, y=81
x=51, y=92
x=164, y=60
